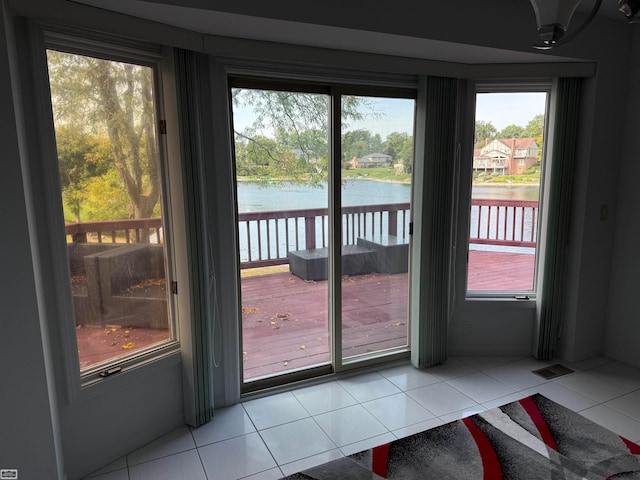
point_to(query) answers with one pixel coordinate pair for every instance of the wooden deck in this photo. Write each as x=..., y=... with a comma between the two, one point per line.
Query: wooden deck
x=284, y=319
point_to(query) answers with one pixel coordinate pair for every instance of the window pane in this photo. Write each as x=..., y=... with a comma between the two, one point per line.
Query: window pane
x=282, y=152
x=377, y=158
x=108, y=161
x=506, y=190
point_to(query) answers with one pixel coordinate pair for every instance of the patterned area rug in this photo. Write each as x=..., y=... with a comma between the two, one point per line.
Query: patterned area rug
x=533, y=438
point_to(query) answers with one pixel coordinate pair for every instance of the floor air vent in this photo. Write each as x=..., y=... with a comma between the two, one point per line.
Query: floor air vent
x=553, y=371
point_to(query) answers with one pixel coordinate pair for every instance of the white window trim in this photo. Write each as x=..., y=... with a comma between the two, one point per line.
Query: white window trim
x=526, y=299
x=223, y=180
x=51, y=235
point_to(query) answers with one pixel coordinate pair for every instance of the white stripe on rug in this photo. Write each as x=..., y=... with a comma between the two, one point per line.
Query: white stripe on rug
x=503, y=422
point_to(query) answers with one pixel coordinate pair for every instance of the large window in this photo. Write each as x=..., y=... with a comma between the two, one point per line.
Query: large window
x=506, y=190
x=323, y=226
x=111, y=184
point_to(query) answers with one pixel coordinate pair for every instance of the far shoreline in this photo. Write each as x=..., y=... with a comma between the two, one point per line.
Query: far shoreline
x=272, y=181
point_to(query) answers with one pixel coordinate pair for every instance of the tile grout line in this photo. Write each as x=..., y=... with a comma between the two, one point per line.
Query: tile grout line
x=204, y=470
x=481, y=405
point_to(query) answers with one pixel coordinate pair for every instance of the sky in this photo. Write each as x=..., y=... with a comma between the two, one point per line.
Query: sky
x=503, y=109
x=391, y=115
x=396, y=114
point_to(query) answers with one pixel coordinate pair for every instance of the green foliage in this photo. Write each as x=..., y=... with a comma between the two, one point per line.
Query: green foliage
x=533, y=178
x=376, y=173
x=264, y=159
x=108, y=100
x=535, y=127
x=394, y=144
x=288, y=138
x=484, y=131
x=81, y=157
x=511, y=131
x=400, y=147
x=105, y=198
x=359, y=143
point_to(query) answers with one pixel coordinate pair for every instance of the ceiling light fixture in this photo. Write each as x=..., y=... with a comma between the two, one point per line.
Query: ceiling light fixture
x=553, y=17
x=631, y=9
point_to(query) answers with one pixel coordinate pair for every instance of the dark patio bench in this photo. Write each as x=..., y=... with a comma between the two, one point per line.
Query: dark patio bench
x=311, y=264
x=392, y=254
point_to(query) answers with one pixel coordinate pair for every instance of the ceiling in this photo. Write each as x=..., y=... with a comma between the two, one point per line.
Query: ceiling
x=200, y=16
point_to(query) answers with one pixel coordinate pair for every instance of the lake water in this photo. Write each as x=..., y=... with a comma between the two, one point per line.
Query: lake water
x=258, y=198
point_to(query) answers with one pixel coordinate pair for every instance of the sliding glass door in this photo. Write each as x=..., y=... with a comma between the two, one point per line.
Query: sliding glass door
x=377, y=161
x=321, y=287
x=281, y=157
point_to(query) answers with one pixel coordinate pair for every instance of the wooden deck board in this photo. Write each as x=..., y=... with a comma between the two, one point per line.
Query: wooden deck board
x=285, y=319
x=374, y=309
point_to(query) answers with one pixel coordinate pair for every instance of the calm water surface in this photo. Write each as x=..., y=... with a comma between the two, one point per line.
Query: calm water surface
x=258, y=198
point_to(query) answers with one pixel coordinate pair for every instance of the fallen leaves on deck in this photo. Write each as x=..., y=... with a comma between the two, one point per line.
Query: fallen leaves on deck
x=397, y=324
x=248, y=310
x=151, y=282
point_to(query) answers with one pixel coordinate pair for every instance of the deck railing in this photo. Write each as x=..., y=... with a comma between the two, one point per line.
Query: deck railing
x=512, y=223
x=138, y=230
x=267, y=237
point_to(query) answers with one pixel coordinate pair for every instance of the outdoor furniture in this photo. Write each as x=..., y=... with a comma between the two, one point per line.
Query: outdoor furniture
x=392, y=254
x=311, y=264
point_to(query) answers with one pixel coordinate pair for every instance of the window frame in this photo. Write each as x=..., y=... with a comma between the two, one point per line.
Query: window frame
x=277, y=77
x=526, y=298
x=84, y=384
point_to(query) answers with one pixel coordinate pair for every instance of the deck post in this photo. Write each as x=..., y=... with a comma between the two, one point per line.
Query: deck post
x=393, y=223
x=310, y=232
x=79, y=237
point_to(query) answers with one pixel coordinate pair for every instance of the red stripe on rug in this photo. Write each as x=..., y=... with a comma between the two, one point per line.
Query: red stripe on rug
x=634, y=448
x=532, y=410
x=490, y=463
x=380, y=459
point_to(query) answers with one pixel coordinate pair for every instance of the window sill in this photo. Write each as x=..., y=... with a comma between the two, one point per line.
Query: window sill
x=511, y=301
x=95, y=385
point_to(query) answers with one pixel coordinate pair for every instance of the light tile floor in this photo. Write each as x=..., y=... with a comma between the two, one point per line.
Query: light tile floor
x=274, y=436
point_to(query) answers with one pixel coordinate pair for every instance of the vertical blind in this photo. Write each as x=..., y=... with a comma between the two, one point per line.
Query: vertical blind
x=434, y=176
x=196, y=337
x=564, y=135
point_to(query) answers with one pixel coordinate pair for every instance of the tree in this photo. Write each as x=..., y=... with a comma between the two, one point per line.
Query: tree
x=105, y=198
x=394, y=143
x=535, y=127
x=484, y=131
x=265, y=158
x=359, y=143
x=310, y=145
x=299, y=123
x=511, y=131
x=81, y=158
x=406, y=155
x=114, y=99
x=535, y=130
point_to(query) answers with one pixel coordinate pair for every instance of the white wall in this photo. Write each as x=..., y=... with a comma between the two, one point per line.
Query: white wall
x=29, y=437
x=42, y=433
x=623, y=319
x=101, y=429
x=598, y=162
x=492, y=328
